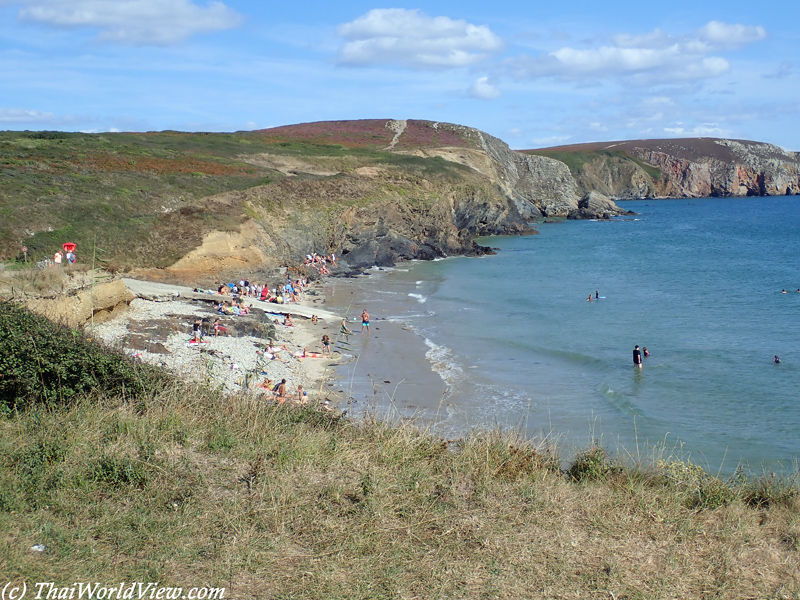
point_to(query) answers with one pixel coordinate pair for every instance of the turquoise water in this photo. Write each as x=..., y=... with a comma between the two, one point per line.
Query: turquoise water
x=697, y=282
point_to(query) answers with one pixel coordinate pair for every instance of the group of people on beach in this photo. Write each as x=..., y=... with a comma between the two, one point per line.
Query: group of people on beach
x=320, y=262
x=289, y=291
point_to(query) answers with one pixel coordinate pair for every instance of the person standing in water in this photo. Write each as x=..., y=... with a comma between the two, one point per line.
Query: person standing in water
x=365, y=321
x=637, y=357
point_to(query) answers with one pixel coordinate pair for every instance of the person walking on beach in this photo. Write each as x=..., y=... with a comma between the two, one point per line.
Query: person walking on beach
x=637, y=357
x=365, y=321
x=326, y=345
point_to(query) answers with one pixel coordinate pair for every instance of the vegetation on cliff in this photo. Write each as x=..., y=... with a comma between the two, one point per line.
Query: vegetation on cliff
x=148, y=199
x=372, y=190
x=42, y=362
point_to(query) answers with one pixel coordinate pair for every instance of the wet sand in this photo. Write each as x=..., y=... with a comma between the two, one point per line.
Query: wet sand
x=389, y=372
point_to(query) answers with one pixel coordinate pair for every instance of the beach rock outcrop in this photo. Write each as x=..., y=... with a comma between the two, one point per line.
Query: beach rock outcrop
x=594, y=205
x=97, y=303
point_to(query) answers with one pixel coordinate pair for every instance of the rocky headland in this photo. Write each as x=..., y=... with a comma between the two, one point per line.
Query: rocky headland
x=681, y=168
x=198, y=208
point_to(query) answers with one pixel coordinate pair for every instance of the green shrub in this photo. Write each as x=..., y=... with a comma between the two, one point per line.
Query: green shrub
x=592, y=465
x=699, y=489
x=43, y=362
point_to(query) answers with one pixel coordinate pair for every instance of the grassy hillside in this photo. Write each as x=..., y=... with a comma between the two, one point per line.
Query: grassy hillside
x=148, y=198
x=104, y=479
x=578, y=156
x=187, y=488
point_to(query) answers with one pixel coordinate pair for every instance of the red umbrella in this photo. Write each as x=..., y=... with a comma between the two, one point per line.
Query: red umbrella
x=69, y=247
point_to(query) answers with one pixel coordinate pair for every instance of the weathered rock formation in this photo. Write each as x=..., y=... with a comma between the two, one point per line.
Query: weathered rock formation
x=100, y=302
x=375, y=214
x=694, y=168
x=729, y=168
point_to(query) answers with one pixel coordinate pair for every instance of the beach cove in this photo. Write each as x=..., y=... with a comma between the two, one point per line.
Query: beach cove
x=516, y=345
x=511, y=342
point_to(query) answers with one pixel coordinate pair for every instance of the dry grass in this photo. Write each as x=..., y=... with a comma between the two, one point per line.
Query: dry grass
x=43, y=283
x=191, y=489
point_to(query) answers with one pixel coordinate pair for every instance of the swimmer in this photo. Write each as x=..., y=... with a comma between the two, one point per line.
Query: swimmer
x=637, y=357
x=776, y=360
x=645, y=351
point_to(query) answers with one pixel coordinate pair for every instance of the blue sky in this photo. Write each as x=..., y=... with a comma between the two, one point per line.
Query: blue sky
x=534, y=74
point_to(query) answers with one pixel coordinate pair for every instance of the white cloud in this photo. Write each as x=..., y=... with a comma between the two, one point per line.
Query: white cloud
x=703, y=130
x=413, y=39
x=483, y=90
x=133, y=22
x=652, y=58
x=727, y=36
x=19, y=115
x=553, y=140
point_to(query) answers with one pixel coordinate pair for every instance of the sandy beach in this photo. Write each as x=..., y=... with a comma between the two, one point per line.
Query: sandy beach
x=389, y=372
x=385, y=371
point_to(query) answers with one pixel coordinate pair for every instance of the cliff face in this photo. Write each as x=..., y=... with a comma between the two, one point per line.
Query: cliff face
x=733, y=169
x=682, y=168
x=377, y=214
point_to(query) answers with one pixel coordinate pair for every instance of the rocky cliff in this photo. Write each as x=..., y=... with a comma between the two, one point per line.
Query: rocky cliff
x=439, y=190
x=698, y=167
x=372, y=191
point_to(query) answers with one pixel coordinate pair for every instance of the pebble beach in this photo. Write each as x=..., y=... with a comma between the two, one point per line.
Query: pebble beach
x=160, y=333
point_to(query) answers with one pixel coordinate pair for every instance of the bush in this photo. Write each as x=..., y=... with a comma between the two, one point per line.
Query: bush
x=592, y=465
x=699, y=489
x=43, y=362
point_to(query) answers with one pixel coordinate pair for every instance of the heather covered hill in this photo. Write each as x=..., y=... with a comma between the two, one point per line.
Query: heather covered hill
x=377, y=134
x=372, y=191
x=690, y=167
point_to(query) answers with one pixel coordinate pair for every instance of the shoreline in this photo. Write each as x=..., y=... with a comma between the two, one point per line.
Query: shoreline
x=390, y=372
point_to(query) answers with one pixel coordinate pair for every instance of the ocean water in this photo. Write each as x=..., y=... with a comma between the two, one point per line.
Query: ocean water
x=697, y=282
